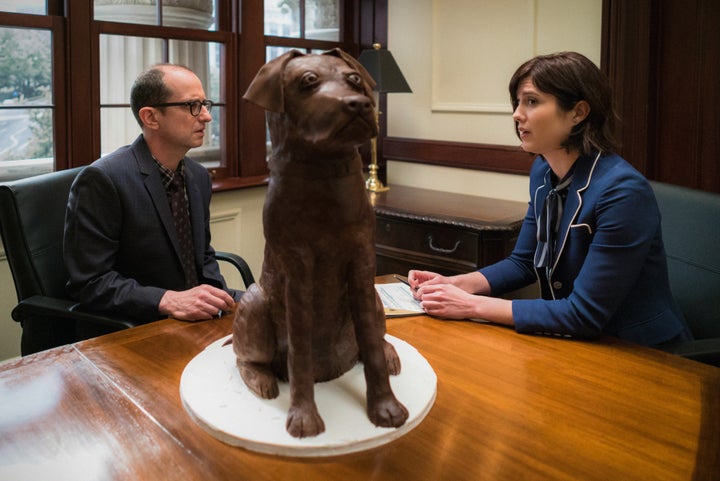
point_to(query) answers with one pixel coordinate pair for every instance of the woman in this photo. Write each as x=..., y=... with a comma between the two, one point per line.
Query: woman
x=591, y=236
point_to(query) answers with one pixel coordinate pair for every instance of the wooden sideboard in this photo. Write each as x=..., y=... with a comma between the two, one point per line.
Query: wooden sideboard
x=443, y=232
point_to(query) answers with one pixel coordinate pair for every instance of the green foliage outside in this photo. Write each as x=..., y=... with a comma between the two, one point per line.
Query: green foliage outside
x=26, y=81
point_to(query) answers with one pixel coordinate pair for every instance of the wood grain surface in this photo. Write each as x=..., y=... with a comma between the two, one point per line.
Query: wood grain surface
x=509, y=407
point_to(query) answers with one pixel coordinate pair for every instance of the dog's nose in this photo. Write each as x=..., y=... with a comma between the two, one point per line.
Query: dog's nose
x=358, y=104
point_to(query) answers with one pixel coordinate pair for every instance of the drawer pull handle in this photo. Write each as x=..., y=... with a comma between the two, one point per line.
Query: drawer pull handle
x=440, y=249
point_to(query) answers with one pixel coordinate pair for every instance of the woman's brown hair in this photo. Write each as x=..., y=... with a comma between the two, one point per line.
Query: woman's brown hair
x=571, y=77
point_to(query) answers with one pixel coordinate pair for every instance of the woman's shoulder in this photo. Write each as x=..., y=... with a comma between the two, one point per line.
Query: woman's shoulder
x=613, y=178
x=613, y=168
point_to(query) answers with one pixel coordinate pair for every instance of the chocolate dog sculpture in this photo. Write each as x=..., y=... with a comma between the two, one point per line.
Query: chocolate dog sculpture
x=314, y=313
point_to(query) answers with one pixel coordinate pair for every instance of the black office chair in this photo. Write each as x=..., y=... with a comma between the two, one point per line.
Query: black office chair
x=32, y=217
x=691, y=232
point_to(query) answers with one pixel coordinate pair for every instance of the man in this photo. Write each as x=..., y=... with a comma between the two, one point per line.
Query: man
x=127, y=215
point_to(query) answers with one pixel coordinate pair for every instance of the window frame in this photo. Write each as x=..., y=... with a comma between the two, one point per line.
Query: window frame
x=251, y=133
x=166, y=34
x=240, y=28
x=56, y=26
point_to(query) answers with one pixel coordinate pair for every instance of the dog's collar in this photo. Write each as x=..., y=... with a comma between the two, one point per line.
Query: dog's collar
x=316, y=170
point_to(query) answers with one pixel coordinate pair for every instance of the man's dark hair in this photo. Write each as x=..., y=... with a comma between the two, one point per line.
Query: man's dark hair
x=150, y=89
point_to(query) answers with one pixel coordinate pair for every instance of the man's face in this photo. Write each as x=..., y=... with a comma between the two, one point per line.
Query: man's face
x=178, y=127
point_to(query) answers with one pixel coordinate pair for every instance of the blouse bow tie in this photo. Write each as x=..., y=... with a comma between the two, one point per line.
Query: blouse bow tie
x=549, y=224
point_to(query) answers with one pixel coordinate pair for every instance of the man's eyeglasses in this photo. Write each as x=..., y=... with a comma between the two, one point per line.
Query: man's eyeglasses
x=195, y=106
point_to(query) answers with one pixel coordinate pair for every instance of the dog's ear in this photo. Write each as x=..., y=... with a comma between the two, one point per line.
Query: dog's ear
x=350, y=60
x=266, y=89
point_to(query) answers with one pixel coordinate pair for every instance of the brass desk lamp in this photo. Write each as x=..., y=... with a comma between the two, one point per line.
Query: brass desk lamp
x=381, y=65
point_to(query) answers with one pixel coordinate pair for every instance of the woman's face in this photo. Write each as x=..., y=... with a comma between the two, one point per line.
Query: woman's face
x=540, y=122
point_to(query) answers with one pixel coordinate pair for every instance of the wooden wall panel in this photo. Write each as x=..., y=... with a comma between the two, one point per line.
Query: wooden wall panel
x=495, y=158
x=688, y=102
x=663, y=60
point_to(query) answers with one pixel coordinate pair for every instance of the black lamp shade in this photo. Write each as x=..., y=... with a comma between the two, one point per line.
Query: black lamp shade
x=381, y=65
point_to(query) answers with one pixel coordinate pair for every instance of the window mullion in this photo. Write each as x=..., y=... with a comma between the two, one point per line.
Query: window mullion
x=83, y=117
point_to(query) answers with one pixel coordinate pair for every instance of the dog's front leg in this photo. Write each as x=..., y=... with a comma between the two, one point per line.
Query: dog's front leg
x=254, y=343
x=383, y=408
x=303, y=418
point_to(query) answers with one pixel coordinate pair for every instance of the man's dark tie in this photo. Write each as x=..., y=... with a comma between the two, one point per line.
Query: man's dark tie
x=181, y=216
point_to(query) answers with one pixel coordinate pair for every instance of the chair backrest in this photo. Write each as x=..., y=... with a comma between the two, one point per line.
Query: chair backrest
x=32, y=219
x=691, y=233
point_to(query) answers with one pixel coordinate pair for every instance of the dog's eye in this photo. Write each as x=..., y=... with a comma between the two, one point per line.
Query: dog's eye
x=309, y=79
x=355, y=79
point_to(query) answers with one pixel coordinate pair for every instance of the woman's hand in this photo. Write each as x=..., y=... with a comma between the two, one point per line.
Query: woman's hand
x=472, y=282
x=464, y=296
x=419, y=278
x=448, y=301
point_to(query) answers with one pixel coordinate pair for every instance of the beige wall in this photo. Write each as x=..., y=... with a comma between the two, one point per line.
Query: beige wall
x=9, y=329
x=458, y=70
x=459, y=73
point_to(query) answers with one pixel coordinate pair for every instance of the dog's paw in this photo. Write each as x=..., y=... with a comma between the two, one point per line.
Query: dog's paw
x=388, y=412
x=392, y=359
x=303, y=422
x=259, y=380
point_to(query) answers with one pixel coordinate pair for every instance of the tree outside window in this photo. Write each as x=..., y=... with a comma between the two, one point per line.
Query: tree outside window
x=26, y=107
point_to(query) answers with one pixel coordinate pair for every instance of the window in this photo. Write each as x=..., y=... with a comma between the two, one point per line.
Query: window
x=289, y=23
x=309, y=19
x=120, y=65
x=27, y=111
x=194, y=42
x=59, y=110
x=311, y=25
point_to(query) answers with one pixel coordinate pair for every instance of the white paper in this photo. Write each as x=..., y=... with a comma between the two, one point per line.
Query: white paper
x=397, y=299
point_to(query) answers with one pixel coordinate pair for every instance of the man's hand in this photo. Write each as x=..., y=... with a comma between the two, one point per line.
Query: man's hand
x=201, y=302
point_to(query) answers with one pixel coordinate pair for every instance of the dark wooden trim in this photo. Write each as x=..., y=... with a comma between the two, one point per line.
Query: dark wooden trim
x=626, y=45
x=661, y=59
x=233, y=183
x=251, y=128
x=465, y=155
x=300, y=43
x=160, y=31
x=60, y=95
x=229, y=144
x=83, y=94
x=373, y=28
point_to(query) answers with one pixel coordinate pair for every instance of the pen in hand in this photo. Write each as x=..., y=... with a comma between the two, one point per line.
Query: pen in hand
x=404, y=280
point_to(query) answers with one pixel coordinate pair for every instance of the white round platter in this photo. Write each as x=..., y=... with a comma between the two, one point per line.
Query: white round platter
x=216, y=398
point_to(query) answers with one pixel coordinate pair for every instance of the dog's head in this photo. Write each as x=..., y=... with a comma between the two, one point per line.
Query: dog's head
x=316, y=100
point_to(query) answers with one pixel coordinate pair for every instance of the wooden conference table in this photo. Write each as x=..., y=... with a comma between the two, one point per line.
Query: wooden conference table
x=508, y=407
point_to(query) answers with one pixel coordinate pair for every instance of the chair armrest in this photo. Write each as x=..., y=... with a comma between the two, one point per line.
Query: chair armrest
x=42, y=306
x=703, y=350
x=239, y=264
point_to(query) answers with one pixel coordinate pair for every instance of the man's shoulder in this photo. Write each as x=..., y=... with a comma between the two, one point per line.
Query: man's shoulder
x=114, y=159
x=199, y=175
x=122, y=160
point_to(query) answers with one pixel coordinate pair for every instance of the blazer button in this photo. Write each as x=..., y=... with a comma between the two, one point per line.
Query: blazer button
x=557, y=285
